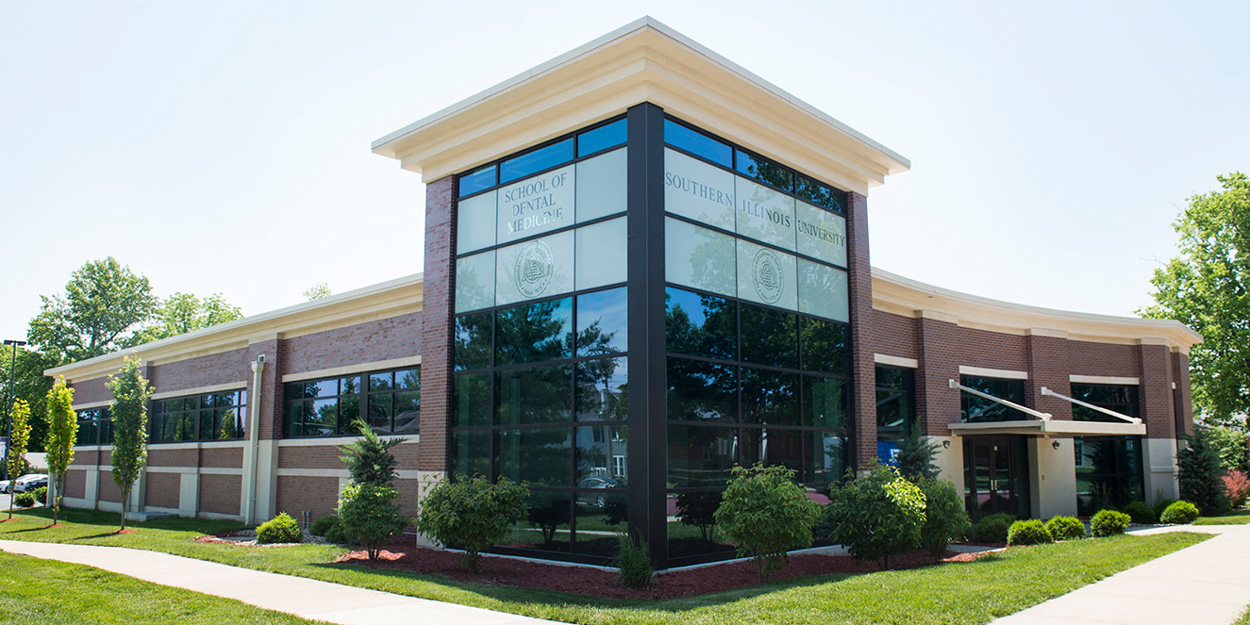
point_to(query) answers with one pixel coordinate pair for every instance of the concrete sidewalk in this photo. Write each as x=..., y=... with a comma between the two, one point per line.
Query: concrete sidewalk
x=302, y=597
x=1208, y=583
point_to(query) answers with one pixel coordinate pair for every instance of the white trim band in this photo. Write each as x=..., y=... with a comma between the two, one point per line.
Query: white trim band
x=984, y=372
x=1104, y=379
x=896, y=361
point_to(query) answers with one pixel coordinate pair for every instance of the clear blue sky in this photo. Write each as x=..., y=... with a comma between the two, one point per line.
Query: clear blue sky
x=224, y=146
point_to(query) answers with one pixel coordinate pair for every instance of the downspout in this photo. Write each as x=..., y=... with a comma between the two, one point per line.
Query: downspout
x=258, y=368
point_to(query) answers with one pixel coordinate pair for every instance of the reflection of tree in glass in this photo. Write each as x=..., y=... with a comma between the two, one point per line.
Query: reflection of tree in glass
x=770, y=337
x=697, y=509
x=534, y=332
x=473, y=342
x=702, y=325
x=701, y=391
x=547, y=516
x=542, y=457
x=770, y=397
x=535, y=395
x=713, y=264
x=470, y=289
x=824, y=346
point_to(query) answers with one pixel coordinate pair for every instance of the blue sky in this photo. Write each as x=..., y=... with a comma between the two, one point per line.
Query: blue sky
x=224, y=147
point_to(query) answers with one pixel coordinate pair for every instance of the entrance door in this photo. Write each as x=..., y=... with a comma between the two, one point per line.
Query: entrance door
x=996, y=476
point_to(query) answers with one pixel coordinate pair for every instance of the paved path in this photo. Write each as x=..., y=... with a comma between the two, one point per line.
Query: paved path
x=300, y=596
x=1208, y=583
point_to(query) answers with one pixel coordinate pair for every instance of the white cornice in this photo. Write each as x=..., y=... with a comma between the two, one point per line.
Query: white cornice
x=380, y=301
x=645, y=61
x=903, y=296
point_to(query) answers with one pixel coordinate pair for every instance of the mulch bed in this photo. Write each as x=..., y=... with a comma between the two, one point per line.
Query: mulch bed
x=502, y=571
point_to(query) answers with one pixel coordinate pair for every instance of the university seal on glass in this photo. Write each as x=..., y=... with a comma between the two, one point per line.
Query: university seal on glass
x=768, y=277
x=534, y=267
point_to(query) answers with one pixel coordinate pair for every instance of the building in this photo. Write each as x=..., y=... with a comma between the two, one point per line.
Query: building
x=643, y=266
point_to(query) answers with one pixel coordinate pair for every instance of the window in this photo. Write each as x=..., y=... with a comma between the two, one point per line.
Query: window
x=1109, y=469
x=588, y=142
x=979, y=409
x=896, y=403
x=95, y=427
x=209, y=417
x=389, y=401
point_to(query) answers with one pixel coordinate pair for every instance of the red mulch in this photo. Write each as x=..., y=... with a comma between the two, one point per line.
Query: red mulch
x=126, y=532
x=403, y=555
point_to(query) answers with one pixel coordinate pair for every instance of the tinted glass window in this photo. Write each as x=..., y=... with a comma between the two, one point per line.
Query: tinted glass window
x=827, y=458
x=601, y=387
x=825, y=402
x=534, y=332
x=471, y=399
x=820, y=195
x=774, y=448
x=701, y=391
x=770, y=397
x=698, y=143
x=542, y=457
x=768, y=173
x=602, y=323
x=770, y=337
x=536, y=161
x=1117, y=398
x=535, y=395
x=825, y=346
x=470, y=453
x=599, y=448
x=601, y=138
x=700, y=456
x=473, y=341
x=700, y=325
x=895, y=403
x=981, y=409
x=473, y=182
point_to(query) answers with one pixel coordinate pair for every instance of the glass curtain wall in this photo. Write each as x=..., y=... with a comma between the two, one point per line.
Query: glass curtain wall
x=1109, y=471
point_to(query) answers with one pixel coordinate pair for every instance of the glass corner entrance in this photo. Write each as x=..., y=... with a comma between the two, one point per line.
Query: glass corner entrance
x=996, y=476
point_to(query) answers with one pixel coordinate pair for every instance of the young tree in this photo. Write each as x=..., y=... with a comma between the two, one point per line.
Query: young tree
x=876, y=514
x=916, y=459
x=1205, y=288
x=369, y=459
x=19, y=436
x=369, y=515
x=103, y=305
x=1201, y=476
x=130, y=417
x=945, y=518
x=62, y=432
x=766, y=515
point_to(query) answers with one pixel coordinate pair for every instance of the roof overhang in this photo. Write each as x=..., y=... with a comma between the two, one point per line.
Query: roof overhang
x=645, y=61
x=1054, y=428
x=895, y=294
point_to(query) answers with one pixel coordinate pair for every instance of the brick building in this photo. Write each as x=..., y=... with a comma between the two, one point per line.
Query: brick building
x=643, y=266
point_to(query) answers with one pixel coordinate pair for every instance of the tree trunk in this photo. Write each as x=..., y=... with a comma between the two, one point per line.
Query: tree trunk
x=53, y=496
x=125, y=503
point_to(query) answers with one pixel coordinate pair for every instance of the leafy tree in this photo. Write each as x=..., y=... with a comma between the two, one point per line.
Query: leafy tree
x=945, y=517
x=916, y=459
x=31, y=385
x=1230, y=444
x=19, y=436
x=103, y=306
x=184, y=312
x=1201, y=476
x=369, y=459
x=131, y=393
x=368, y=514
x=62, y=432
x=876, y=515
x=1205, y=288
x=472, y=513
x=317, y=291
x=766, y=515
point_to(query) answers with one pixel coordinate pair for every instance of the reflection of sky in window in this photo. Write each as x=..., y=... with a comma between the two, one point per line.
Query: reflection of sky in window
x=690, y=303
x=609, y=309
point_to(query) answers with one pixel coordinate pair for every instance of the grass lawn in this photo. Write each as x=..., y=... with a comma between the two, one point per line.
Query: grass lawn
x=1240, y=517
x=46, y=591
x=978, y=592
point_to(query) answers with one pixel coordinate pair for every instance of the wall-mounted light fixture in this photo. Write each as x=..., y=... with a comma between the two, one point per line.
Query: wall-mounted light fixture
x=946, y=444
x=1055, y=444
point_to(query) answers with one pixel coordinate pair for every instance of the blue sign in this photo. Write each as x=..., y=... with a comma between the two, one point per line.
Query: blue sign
x=887, y=452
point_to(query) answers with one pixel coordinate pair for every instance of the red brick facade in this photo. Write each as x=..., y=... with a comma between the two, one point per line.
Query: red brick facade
x=436, y=333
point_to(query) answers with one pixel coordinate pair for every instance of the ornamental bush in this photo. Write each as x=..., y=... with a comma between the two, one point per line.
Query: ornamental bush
x=1140, y=513
x=280, y=529
x=1030, y=532
x=876, y=514
x=1238, y=486
x=24, y=500
x=633, y=563
x=766, y=515
x=1179, y=513
x=323, y=525
x=367, y=513
x=991, y=529
x=1162, y=504
x=41, y=494
x=945, y=518
x=1108, y=523
x=472, y=513
x=1065, y=528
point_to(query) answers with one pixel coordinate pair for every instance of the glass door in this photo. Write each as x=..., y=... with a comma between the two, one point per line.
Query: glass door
x=996, y=476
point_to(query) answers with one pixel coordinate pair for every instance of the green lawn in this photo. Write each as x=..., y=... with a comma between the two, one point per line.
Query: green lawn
x=1240, y=517
x=959, y=593
x=54, y=593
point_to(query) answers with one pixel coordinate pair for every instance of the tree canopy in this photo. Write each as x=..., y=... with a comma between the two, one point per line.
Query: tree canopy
x=1207, y=287
x=183, y=312
x=102, y=311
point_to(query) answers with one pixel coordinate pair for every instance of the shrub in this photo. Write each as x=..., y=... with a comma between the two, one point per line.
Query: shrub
x=1238, y=487
x=280, y=529
x=1140, y=513
x=633, y=563
x=472, y=513
x=369, y=515
x=1065, y=528
x=1030, y=532
x=876, y=514
x=368, y=458
x=24, y=500
x=916, y=459
x=1201, y=473
x=991, y=529
x=335, y=533
x=1162, y=504
x=1179, y=513
x=323, y=525
x=41, y=494
x=1108, y=523
x=766, y=515
x=945, y=519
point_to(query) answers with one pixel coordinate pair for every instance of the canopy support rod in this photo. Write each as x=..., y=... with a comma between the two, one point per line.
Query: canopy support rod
x=1044, y=416
x=1133, y=420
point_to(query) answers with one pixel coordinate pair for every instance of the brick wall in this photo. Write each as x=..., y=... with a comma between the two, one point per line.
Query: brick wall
x=227, y=457
x=318, y=495
x=436, y=331
x=76, y=484
x=163, y=489
x=1048, y=366
x=91, y=391
x=1184, y=409
x=893, y=335
x=219, y=494
x=223, y=368
x=1155, y=394
x=270, y=403
x=1088, y=358
x=863, y=370
x=397, y=337
x=940, y=352
x=108, y=488
x=158, y=457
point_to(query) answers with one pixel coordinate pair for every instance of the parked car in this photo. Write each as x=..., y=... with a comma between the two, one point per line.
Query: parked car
x=596, y=499
x=5, y=485
x=30, y=482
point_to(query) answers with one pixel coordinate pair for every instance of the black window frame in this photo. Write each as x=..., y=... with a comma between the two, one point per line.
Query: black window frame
x=362, y=396
x=195, y=408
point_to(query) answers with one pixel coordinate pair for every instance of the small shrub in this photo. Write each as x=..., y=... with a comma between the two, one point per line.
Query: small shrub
x=991, y=529
x=1108, y=523
x=1179, y=513
x=41, y=494
x=1065, y=528
x=876, y=514
x=1162, y=504
x=1141, y=513
x=473, y=513
x=280, y=529
x=336, y=535
x=633, y=563
x=1238, y=486
x=945, y=518
x=369, y=515
x=323, y=525
x=766, y=515
x=24, y=500
x=1030, y=532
